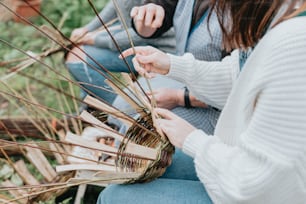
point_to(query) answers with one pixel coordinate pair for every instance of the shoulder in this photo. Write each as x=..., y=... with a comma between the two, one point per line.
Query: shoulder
x=280, y=54
x=283, y=39
x=288, y=30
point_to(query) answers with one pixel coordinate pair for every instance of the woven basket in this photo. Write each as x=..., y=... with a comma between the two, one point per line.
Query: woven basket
x=140, y=155
x=150, y=169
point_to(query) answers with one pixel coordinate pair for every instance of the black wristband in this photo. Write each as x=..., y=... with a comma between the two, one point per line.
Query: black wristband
x=186, y=98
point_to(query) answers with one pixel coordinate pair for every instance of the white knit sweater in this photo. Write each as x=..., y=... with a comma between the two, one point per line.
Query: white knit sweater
x=258, y=153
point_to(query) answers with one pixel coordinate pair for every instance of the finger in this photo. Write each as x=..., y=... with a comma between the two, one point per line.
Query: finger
x=134, y=11
x=149, y=16
x=126, y=53
x=149, y=75
x=140, y=15
x=166, y=114
x=73, y=38
x=152, y=75
x=165, y=126
x=151, y=92
x=159, y=18
x=140, y=69
x=146, y=59
x=130, y=51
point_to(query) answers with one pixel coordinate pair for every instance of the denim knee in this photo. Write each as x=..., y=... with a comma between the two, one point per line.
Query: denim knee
x=106, y=195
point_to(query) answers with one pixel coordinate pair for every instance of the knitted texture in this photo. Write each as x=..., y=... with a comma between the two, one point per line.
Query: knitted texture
x=258, y=152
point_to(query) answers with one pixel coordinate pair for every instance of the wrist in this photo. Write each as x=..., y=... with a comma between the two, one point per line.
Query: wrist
x=167, y=64
x=180, y=98
x=187, y=102
x=84, y=30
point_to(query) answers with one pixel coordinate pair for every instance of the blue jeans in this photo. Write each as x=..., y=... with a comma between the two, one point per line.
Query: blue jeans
x=82, y=72
x=163, y=191
x=179, y=184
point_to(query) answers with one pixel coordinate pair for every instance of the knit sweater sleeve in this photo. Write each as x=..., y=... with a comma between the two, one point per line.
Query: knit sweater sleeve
x=108, y=13
x=267, y=163
x=210, y=82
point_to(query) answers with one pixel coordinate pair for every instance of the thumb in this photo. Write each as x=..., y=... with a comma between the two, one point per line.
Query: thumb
x=164, y=113
x=134, y=11
x=146, y=59
x=151, y=92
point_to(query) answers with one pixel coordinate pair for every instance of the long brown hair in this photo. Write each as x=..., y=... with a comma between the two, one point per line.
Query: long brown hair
x=244, y=22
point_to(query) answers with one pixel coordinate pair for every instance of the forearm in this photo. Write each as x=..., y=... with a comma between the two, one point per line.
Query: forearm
x=194, y=102
x=108, y=13
x=103, y=40
x=207, y=81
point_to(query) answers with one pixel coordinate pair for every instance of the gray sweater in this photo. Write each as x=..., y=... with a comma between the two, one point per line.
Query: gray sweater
x=166, y=42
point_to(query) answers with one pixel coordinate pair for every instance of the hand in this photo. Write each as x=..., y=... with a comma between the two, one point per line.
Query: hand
x=88, y=39
x=147, y=18
x=176, y=128
x=150, y=59
x=78, y=33
x=167, y=98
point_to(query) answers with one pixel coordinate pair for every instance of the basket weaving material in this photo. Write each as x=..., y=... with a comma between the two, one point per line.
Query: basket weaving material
x=49, y=194
x=141, y=155
x=35, y=194
x=150, y=169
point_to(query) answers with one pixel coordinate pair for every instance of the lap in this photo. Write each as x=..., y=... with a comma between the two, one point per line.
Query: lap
x=158, y=191
x=108, y=59
x=182, y=167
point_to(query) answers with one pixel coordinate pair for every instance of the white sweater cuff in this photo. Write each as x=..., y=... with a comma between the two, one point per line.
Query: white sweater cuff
x=179, y=65
x=194, y=142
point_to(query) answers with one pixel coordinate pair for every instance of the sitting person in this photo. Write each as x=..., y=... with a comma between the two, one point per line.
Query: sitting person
x=257, y=153
x=190, y=22
x=102, y=50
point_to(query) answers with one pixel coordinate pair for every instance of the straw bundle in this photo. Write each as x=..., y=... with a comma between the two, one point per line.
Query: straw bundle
x=141, y=155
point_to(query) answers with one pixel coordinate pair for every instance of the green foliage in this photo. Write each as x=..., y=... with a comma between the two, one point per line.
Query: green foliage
x=76, y=12
x=68, y=14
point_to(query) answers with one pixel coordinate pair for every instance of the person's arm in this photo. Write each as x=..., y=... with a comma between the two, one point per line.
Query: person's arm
x=169, y=6
x=263, y=161
x=147, y=17
x=210, y=82
x=107, y=14
x=103, y=40
x=171, y=98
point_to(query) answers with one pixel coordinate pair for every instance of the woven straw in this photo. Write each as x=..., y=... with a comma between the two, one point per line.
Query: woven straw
x=150, y=169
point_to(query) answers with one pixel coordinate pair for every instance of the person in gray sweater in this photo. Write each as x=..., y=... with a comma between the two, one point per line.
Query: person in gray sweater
x=190, y=21
x=99, y=45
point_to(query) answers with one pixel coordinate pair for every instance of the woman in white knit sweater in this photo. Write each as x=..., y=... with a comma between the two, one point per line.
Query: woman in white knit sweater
x=258, y=152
